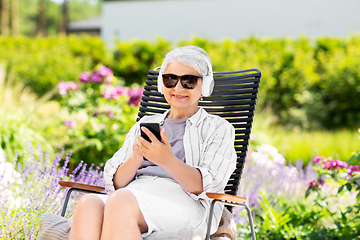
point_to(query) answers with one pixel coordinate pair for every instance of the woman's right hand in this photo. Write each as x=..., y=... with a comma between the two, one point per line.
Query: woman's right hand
x=136, y=152
x=127, y=170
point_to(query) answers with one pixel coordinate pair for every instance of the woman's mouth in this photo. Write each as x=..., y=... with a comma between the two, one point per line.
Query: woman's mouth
x=179, y=97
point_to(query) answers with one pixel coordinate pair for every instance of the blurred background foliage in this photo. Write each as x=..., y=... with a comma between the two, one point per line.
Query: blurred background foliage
x=307, y=84
x=77, y=10
x=309, y=88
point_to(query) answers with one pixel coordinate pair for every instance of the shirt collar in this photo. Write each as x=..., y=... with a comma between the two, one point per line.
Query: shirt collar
x=195, y=119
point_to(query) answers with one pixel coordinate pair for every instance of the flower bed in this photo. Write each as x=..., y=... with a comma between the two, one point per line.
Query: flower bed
x=288, y=202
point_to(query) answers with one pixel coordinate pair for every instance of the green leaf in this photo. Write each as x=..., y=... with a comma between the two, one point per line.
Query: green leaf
x=348, y=186
x=341, y=188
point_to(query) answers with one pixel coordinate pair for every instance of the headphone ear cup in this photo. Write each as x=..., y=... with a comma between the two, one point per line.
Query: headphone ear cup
x=207, y=86
x=160, y=84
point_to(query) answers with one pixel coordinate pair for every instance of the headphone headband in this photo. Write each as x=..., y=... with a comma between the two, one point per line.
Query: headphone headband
x=208, y=80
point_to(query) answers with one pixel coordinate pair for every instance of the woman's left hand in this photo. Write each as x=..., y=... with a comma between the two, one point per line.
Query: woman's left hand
x=155, y=151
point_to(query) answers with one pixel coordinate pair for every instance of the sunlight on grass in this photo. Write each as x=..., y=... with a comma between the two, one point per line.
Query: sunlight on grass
x=306, y=145
x=300, y=144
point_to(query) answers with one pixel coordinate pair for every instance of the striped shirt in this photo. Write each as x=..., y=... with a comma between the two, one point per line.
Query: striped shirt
x=209, y=146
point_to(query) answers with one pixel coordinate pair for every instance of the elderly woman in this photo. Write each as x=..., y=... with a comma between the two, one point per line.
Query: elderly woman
x=166, y=192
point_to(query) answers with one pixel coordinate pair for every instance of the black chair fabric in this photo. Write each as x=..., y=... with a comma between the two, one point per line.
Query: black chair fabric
x=234, y=98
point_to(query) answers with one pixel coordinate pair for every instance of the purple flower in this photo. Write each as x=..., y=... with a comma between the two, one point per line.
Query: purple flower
x=70, y=123
x=104, y=71
x=96, y=77
x=315, y=184
x=135, y=96
x=352, y=169
x=36, y=190
x=84, y=77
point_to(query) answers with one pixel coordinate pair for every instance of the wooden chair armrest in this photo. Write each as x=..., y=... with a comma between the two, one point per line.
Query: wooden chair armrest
x=81, y=186
x=226, y=197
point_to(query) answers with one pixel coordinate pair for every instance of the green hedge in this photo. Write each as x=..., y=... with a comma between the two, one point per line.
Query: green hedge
x=307, y=83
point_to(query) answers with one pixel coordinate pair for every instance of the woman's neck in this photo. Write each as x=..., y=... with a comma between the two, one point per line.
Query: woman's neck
x=180, y=114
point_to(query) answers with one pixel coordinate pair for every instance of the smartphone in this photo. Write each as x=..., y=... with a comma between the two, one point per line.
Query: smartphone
x=154, y=128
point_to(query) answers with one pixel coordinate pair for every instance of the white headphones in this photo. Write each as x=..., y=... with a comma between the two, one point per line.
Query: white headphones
x=207, y=84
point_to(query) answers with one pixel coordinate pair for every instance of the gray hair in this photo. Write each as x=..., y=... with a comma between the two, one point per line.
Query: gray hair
x=192, y=56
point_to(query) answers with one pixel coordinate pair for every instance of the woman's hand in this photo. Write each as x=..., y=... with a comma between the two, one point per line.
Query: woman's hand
x=155, y=151
x=160, y=153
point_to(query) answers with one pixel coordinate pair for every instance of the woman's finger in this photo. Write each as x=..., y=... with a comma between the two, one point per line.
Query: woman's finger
x=149, y=134
x=164, y=137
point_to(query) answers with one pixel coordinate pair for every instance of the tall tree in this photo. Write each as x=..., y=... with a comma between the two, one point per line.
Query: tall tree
x=64, y=18
x=5, y=17
x=15, y=27
x=41, y=19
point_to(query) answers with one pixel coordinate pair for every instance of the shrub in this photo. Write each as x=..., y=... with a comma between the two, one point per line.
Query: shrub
x=320, y=202
x=30, y=189
x=311, y=84
x=19, y=120
x=97, y=112
x=42, y=62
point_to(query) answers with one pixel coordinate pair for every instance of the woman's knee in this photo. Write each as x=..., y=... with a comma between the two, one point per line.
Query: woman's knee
x=90, y=202
x=121, y=196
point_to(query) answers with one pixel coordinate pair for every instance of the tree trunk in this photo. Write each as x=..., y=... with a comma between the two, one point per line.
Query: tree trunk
x=5, y=18
x=15, y=26
x=63, y=21
x=41, y=19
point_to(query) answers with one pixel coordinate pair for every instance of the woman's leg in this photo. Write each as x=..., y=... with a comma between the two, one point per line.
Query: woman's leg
x=122, y=217
x=88, y=218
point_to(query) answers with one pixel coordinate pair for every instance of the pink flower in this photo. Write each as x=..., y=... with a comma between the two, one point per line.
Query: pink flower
x=64, y=87
x=113, y=92
x=84, y=77
x=96, y=77
x=70, y=123
x=318, y=159
x=352, y=169
x=313, y=184
x=135, y=96
x=335, y=164
x=104, y=71
x=72, y=86
x=109, y=113
x=120, y=90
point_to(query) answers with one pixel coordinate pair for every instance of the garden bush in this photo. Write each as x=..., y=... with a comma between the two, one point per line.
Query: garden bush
x=96, y=111
x=308, y=83
x=319, y=201
x=19, y=121
x=43, y=62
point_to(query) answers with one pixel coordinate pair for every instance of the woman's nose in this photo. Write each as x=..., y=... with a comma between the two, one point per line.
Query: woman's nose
x=178, y=86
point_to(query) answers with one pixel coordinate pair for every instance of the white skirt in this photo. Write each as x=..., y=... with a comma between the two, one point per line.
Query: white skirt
x=165, y=205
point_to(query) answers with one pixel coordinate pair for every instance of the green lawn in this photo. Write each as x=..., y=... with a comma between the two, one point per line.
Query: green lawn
x=296, y=144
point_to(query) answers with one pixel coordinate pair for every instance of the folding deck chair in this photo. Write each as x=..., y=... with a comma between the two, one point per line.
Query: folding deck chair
x=234, y=99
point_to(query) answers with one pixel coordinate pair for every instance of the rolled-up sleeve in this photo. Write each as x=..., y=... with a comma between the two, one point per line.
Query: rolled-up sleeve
x=218, y=158
x=119, y=157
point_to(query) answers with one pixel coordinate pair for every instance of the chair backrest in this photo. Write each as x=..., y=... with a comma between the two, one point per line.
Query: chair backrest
x=233, y=98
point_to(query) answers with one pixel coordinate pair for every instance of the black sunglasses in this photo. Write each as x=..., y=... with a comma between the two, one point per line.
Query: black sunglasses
x=187, y=81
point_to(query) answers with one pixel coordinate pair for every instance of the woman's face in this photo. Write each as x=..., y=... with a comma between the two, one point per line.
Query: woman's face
x=183, y=102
